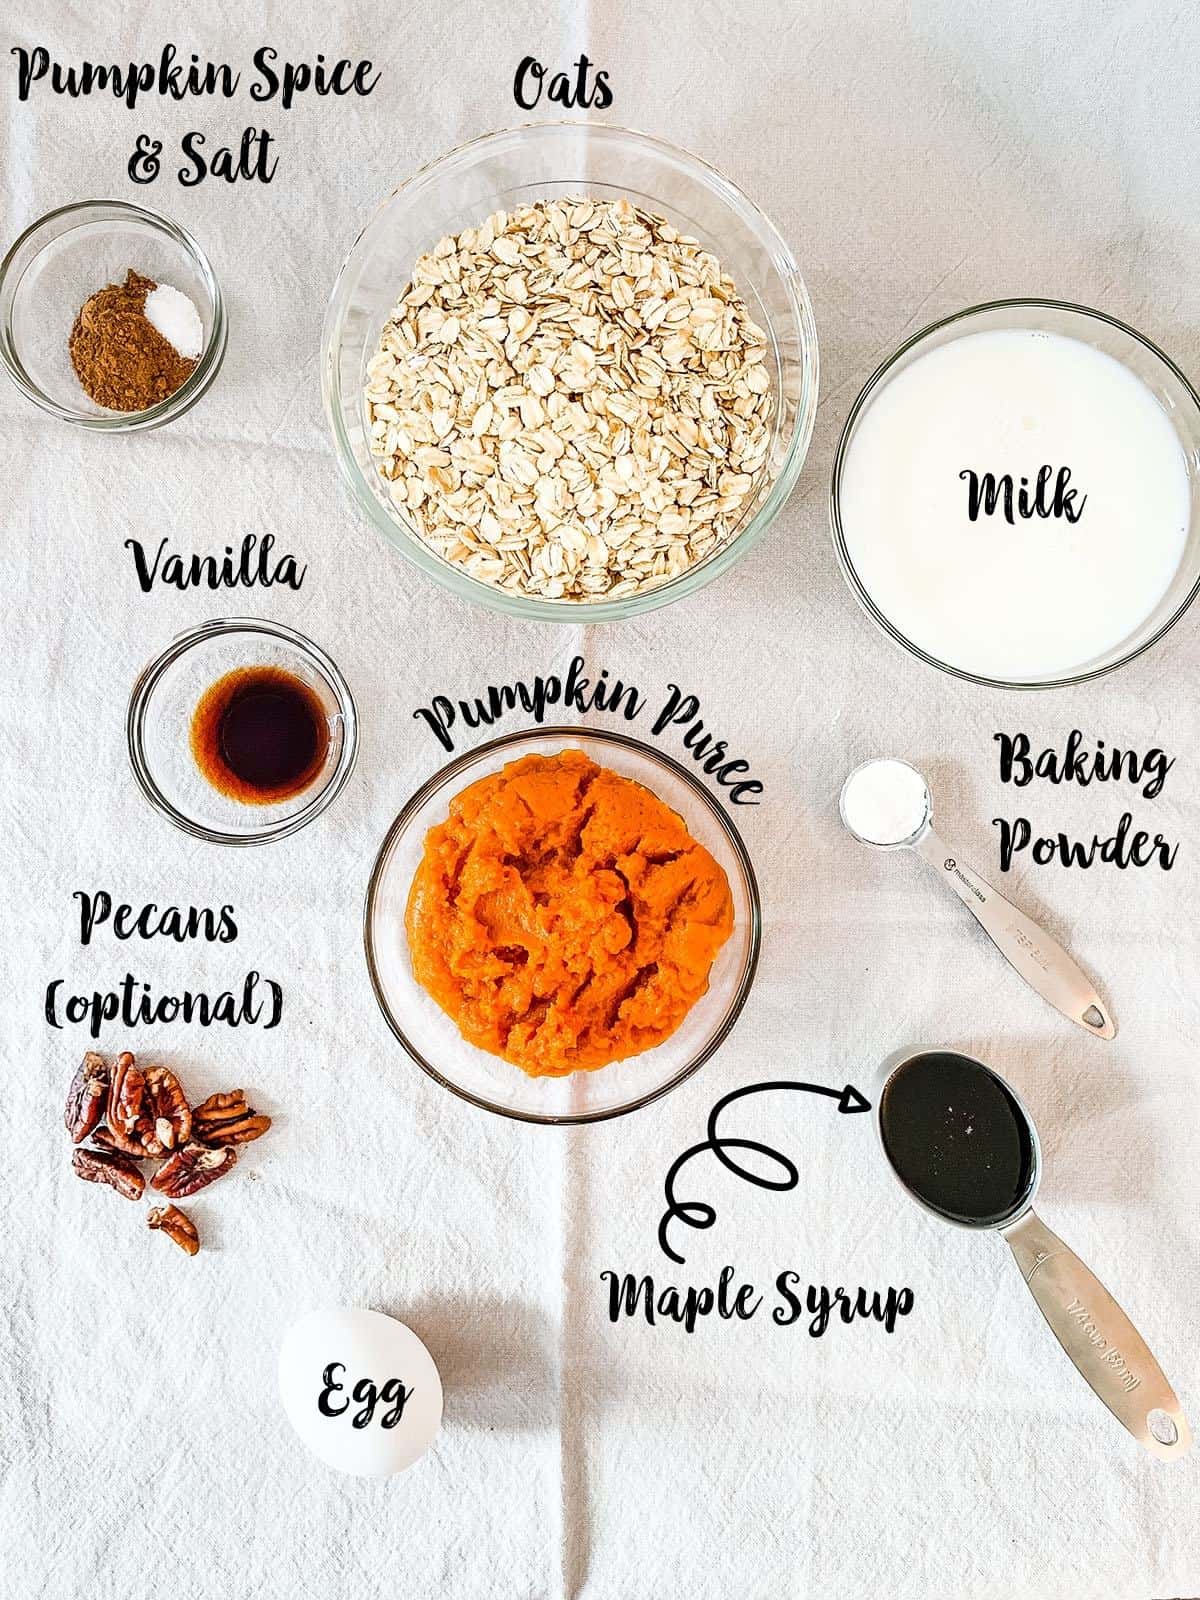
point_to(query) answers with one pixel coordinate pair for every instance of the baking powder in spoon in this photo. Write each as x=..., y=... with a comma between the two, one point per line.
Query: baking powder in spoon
x=885, y=802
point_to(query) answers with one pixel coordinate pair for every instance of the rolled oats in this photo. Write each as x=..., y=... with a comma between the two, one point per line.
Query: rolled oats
x=571, y=401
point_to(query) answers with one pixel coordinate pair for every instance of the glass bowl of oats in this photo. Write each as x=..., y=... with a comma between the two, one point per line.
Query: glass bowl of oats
x=570, y=369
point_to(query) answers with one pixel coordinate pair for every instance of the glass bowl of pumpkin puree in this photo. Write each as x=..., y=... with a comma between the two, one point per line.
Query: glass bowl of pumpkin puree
x=562, y=925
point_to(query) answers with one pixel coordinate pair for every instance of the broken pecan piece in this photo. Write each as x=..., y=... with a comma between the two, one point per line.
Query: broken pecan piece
x=111, y=1167
x=227, y=1119
x=177, y=1226
x=126, y=1105
x=192, y=1168
x=87, y=1097
x=166, y=1120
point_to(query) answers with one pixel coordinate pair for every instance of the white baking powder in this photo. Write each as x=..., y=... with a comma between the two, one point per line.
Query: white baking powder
x=176, y=318
x=885, y=801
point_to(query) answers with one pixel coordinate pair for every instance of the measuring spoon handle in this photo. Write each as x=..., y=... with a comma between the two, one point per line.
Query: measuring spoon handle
x=1099, y=1338
x=1040, y=960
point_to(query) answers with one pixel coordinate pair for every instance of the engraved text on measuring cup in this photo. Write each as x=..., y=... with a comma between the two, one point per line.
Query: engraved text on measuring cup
x=1112, y=1357
x=952, y=866
x=1029, y=946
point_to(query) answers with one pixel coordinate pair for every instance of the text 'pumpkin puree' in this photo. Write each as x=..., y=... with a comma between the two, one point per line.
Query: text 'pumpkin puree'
x=563, y=916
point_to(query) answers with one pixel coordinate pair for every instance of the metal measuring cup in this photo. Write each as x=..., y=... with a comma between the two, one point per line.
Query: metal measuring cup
x=1108, y=1351
x=1028, y=948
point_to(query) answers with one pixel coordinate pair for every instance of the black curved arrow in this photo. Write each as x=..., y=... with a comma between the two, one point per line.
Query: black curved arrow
x=697, y=1213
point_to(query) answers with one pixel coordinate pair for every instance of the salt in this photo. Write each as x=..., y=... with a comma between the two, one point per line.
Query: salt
x=885, y=802
x=176, y=318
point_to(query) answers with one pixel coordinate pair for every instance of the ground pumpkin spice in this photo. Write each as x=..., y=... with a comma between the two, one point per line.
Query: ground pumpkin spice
x=119, y=356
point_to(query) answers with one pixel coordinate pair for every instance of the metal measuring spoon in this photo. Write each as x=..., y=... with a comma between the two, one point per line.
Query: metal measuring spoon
x=902, y=809
x=948, y=1125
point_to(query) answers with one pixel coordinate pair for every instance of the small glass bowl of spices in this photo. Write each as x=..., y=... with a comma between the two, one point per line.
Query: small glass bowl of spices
x=110, y=317
x=241, y=731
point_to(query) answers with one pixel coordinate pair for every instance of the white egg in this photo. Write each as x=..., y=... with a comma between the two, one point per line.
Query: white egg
x=360, y=1389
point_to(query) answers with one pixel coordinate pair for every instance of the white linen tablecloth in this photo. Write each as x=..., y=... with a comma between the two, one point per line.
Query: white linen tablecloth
x=917, y=160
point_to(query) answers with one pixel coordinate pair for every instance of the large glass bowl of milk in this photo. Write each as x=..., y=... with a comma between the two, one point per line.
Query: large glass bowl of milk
x=1016, y=494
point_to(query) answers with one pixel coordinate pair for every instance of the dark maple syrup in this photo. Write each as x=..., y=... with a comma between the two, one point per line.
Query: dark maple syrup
x=260, y=734
x=957, y=1138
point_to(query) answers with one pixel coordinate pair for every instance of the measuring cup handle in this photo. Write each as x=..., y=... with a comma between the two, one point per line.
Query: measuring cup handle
x=1040, y=960
x=1099, y=1338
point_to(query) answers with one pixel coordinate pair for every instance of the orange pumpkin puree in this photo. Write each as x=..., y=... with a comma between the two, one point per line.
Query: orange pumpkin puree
x=563, y=916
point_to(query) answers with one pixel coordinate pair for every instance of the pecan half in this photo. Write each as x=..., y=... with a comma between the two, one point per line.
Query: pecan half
x=227, y=1119
x=177, y=1226
x=166, y=1121
x=191, y=1169
x=126, y=1104
x=111, y=1167
x=87, y=1097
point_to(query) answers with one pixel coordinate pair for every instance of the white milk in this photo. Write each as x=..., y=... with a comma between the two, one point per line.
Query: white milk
x=1043, y=596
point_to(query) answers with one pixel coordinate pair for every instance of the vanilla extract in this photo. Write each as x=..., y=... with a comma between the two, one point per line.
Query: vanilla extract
x=260, y=735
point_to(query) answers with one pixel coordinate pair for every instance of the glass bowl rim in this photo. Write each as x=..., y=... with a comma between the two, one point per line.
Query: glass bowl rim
x=409, y=545
x=217, y=627
x=193, y=386
x=567, y=731
x=855, y=584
